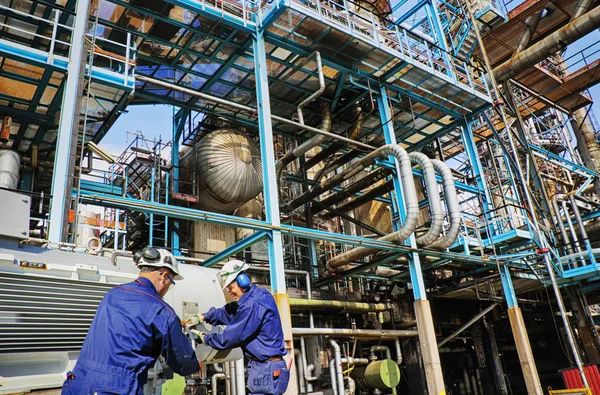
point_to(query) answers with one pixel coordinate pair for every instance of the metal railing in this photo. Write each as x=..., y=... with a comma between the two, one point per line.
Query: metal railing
x=416, y=47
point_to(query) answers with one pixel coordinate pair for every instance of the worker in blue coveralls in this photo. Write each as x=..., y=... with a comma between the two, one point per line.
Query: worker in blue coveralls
x=253, y=323
x=132, y=327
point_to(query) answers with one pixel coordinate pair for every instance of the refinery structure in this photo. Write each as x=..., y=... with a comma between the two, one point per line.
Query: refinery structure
x=415, y=181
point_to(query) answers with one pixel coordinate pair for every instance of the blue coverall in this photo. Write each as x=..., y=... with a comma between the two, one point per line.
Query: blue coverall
x=253, y=324
x=132, y=327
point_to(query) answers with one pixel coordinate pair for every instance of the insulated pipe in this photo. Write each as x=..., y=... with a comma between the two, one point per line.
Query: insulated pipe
x=571, y=227
x=338, y=366
x=582, y=7
x=531, y=24
x=452, y=204
x=305, y=367
x=433, y=196
x=387, y=150
x=249, y=109
x=351, y=386
x=332, y=376
x=307, y=145
x=561, y=226
x=232, y=374
x=550, y=45
x=362, y=333
x=321, y=89
x=349, y=306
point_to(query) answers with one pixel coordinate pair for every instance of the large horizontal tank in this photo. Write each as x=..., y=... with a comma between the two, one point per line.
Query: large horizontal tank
x=229, y=170
x=49, y=298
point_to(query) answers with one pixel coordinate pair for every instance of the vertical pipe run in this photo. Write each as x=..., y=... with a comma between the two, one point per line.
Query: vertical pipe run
x=338, y=366
x=561, y=227
x=240, y=377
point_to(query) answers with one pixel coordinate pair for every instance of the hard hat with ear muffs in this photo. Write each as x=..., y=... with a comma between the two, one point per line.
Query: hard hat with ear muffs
x=155, y=257
x=234, y=271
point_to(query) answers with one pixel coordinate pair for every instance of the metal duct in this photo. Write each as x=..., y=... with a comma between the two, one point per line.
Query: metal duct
x=229, y=170
x=309, y=144
x=550, y=45
x=433, y=195
x=452, y=205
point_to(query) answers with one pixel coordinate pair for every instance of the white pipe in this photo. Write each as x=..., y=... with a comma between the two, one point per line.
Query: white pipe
x=232, y=376
x=338, y=366
x=332, y=377
x=214, y=380
x=452, y=204
x=351, y=386
x=300, y=362
x=318, y=92
x=410, y=198
x=433, y=195
x=240, y=377
x=307, y=368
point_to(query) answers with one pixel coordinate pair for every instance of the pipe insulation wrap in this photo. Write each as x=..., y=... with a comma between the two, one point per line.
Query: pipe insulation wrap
x=410, y=197
x=229, y=170
x=452, y=205
x=433, y=195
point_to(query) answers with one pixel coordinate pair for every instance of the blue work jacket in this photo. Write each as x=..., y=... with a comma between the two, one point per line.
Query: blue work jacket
x=253, y=324
x=132, y=327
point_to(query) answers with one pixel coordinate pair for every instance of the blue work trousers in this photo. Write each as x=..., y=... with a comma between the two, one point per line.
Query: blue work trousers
x=268, y=378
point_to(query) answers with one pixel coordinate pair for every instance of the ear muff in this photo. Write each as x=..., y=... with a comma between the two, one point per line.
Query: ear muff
x=243, y=280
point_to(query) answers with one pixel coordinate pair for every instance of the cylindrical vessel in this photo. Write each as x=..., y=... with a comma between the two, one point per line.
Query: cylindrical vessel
x=10, y=162
x=229, y=170
x=381, y=375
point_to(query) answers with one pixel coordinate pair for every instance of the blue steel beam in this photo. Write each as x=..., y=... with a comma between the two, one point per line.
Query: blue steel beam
x=414, y=263
x=68, y=116
x=507, y=286
x=235, y=248
x=217, y=14
x=270, y=192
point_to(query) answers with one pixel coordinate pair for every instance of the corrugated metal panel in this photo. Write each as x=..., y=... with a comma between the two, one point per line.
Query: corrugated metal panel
x=43, y=314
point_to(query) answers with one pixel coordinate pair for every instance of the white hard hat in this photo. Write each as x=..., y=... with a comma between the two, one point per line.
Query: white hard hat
x=155, y=257
x=230, y=271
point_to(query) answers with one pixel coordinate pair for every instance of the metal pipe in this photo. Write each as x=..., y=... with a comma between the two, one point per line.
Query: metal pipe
x=561, y=227
x=307, y=145
x=531, y=24
x=571, y=227
x=433, y=196
x=232, y=375
x=550, y=45
x=351, y=386
x=388, y=353
x=306, y=368
x=332, y=377
x=366, y=197
x=365, y=182
x=240, y=377
x=410, y=199
x=387, y=150
x=214, y=380
x=399, y=357
x=300, y=362
x=582, y=7
x=249, y=109
x=452, y=205
x=338, y=366
x=349, y=306
x=467, y=325
x=362, y=333
x=582, y=230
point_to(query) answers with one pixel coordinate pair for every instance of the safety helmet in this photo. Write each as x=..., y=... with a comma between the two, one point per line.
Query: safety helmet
x=155, y=257
x=230, y=271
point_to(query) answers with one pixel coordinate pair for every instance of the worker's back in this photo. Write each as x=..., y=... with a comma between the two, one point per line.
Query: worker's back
x=132, y=327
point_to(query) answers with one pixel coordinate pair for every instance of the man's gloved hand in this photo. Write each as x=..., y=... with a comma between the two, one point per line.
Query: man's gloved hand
x=195, y=320
x=199, y=335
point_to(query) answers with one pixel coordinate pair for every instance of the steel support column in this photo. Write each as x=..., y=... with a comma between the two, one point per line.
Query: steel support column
x=427, y=338
x=69, y=119
x=178, y=123
x=517, y=324
x=275, y=243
